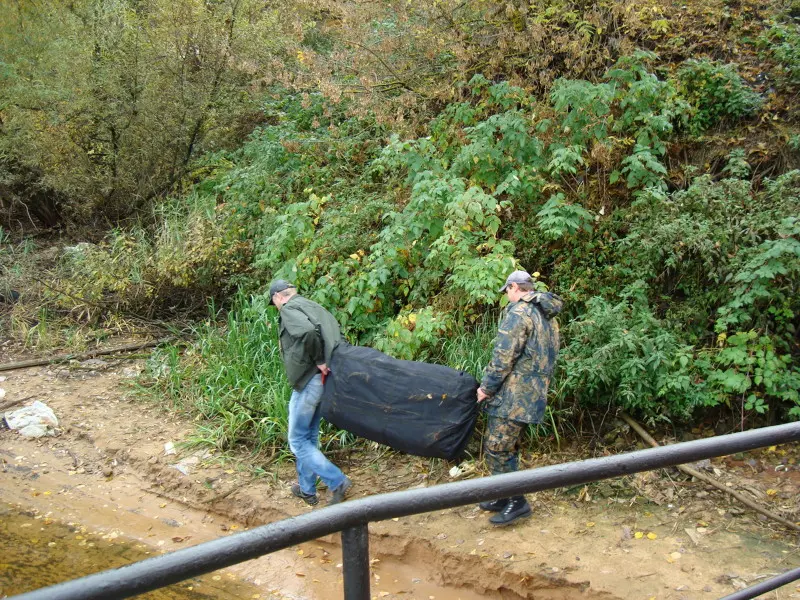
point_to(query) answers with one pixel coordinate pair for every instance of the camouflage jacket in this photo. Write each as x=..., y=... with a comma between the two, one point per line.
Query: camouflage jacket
x=524, y=356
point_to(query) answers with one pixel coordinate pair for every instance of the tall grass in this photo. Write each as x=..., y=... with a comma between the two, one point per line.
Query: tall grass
x=469, y=351
x=232, y=378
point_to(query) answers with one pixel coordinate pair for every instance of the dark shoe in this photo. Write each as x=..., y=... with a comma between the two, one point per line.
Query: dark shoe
x=310, y=499
x=516, y=509
x=494, y=505
x=338, y=494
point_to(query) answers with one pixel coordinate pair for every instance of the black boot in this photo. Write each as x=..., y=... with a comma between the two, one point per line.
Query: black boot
x=516, y=509
x=494, y=505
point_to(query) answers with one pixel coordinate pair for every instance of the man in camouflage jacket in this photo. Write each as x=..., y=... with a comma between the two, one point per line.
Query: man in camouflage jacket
x=514, y=384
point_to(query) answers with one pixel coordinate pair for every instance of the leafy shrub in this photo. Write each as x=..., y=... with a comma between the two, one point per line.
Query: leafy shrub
x=632, y=103
x=621, y=355
x=749, y=366
x=730, y=257
x=704, y=247
x=413, y=335
x=716, y=92
x=782, y=43
x=557, y=218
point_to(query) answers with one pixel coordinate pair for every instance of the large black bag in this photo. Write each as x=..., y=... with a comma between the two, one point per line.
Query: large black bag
x=419, y=408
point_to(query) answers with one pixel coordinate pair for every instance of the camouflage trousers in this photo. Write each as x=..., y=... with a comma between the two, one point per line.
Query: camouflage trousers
x=500, y=444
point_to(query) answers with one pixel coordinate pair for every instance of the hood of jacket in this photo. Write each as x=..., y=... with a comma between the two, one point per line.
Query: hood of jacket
x=549, y=303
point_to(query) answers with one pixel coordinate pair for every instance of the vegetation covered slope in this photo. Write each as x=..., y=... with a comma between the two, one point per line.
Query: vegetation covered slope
x=638, y=158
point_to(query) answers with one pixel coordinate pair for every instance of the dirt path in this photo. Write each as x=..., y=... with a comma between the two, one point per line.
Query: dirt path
x=108, y=471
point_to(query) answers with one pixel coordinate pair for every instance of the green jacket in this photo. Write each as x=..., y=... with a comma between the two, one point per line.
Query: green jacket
x=524, y=356
x=308, y=335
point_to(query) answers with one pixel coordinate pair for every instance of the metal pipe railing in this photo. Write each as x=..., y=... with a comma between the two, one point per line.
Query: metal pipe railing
x=352, y=517
x=765, y=586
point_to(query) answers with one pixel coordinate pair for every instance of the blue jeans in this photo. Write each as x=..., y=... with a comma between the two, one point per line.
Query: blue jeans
x=304, y=418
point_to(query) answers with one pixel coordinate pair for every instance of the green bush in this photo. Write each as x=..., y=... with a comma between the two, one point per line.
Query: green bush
x=715, y=92
x=755, y=368
x=620, y=355
x=781, y=42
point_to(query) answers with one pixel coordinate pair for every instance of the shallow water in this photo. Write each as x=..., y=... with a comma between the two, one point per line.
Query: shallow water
x=36, y=551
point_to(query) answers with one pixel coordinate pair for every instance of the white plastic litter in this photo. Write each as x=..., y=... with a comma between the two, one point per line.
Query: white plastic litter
x=34, y=421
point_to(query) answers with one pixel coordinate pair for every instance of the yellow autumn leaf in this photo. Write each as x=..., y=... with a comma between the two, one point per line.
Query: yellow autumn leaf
x=651, y=536
x=638, y=535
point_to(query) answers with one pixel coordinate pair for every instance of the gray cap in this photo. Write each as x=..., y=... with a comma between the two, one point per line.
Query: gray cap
x=278, y=286
x=517, y=277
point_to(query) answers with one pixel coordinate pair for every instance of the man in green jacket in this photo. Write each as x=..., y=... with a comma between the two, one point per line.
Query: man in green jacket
x=308, y=335
x=514, y=384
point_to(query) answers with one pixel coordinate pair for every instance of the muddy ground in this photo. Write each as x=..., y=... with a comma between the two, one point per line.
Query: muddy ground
x=654, y=535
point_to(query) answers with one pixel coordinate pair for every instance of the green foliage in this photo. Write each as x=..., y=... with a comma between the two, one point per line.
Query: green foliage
x=620, y=354
x=716, y=92
x=407, y=240
x=231, y=379
x=558, y=219
x=632, y=103
x=411, y=335
x=719, y=246
x=105, y=104
x=782, y=43
x=724, y=255
x=749, y=366
x=188, y=257
x=763, y=290
x=642, y=170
